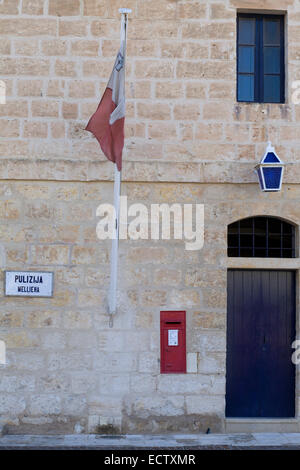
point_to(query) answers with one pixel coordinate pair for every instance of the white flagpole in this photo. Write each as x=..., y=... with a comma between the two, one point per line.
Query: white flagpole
x=112, y=302
x=115, y=248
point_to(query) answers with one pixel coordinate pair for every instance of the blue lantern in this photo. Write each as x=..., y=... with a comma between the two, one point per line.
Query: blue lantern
x=270, y=170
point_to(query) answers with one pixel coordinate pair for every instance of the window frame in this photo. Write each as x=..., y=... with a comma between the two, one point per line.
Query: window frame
x=259, y=57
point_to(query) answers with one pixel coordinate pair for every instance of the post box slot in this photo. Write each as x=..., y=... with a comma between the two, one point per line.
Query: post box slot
x=173, y=322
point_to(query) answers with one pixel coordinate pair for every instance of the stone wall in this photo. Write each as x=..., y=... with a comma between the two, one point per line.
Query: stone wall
x=187, y=141
x=56, y=58
x=65, y=366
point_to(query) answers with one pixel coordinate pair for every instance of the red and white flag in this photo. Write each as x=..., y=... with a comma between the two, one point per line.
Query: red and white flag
x=107, y=123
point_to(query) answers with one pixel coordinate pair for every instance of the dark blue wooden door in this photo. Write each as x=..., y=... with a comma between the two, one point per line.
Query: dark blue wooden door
x=260, y=375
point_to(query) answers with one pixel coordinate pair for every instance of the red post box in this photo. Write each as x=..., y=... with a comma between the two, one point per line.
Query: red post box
x=172, y=342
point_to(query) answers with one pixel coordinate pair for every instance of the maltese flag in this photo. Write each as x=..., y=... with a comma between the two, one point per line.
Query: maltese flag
x=107, y=123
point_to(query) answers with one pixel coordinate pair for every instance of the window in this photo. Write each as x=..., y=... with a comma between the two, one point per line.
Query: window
x=260, y=58
x=262, y=237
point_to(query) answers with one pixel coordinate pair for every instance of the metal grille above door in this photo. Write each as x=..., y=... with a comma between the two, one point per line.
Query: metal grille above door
x=262, y=237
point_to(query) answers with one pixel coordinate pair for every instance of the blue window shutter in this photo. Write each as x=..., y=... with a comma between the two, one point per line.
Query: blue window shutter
x=260, y=58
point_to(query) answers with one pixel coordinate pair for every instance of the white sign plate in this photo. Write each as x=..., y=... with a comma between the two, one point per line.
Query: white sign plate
x=172, y=337
x=29, y=283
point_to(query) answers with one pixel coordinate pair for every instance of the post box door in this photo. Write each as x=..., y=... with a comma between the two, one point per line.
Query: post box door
x=173, y=342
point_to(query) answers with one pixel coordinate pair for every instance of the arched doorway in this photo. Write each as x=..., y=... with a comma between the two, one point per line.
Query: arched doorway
x=260, y=375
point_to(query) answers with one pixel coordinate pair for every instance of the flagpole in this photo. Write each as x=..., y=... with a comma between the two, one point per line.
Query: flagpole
x=115, y=248
x=112, y=302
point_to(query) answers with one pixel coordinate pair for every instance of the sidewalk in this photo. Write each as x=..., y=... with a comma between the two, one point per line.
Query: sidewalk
x=168, y=441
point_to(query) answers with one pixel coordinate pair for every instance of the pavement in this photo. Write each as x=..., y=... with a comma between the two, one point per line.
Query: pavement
x=249, y=441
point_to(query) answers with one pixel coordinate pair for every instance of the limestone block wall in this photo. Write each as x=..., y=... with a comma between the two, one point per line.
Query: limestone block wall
x=66, y=369
x=56, y=58
x=187, y=141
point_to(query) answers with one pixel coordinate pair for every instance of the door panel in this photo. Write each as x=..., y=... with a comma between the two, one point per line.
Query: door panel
x=260, y=376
